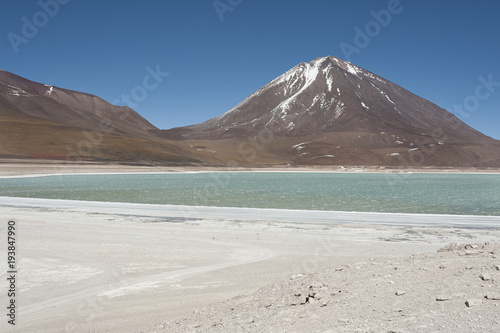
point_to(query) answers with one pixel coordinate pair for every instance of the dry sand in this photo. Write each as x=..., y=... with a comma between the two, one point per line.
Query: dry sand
x=103, y=267
x=85, y=268
x=18, y=167
x=454, y=290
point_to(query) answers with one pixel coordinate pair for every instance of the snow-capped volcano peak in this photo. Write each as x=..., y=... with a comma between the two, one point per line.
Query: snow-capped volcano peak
x=323, y=96
x=332, y=61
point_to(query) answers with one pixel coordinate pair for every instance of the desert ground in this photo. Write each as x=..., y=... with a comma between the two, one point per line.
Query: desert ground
x=23, y=167
x=111, y=267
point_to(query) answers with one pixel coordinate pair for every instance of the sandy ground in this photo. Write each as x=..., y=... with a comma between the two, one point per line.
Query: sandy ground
x=98, y=267
x=15, y=167
x=456, y=289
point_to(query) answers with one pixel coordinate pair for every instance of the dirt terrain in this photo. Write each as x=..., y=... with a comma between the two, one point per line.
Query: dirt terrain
x=456, y=289
x=26, y=167
x=104, y=267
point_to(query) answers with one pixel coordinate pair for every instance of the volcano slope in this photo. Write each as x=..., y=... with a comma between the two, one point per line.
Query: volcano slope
x=331, y=112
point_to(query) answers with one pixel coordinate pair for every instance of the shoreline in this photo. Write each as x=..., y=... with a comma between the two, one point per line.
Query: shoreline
x=98, y=266
x=78, y=256
x=132, y=172
x=121, y=258
x=38, y=168
x=186, y=213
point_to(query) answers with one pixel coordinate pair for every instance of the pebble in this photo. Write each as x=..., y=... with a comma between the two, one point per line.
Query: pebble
x=493, y=296
x=316, y=285
x=442, y=298
x=325, y=303
x=485, y=277
x=473, y=302
x=319, y=296
x=266, y=303
x=302, y=299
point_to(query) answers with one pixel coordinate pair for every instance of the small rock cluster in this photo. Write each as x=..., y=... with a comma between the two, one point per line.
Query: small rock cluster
x=456, y=289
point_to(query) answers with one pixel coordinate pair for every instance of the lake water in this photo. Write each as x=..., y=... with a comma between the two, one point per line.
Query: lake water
x=462, y=194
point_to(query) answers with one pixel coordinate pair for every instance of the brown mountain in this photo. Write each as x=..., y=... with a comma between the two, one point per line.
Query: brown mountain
x=326, y=112
x=330, y=111
x=43, y=121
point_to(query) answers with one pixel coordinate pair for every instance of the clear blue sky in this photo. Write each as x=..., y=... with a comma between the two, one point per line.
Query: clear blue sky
x=436, y=49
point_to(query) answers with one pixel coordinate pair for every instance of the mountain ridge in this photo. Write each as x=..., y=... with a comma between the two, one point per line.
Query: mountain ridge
x=47, y=122
x=71, y=107
x=325, y=112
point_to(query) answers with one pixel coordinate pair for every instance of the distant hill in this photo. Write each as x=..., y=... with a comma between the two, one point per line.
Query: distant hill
x=44, y=121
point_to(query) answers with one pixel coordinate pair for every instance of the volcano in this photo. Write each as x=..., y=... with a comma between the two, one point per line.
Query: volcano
x=330, y=111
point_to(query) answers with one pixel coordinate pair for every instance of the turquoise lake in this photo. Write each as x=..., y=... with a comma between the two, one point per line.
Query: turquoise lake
x=463, y=194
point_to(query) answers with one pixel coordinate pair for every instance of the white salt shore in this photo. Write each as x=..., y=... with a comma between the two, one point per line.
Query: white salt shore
x=258, y=214
x=94, y=266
